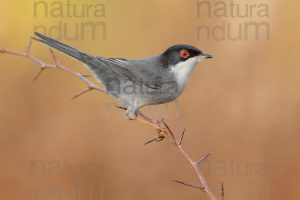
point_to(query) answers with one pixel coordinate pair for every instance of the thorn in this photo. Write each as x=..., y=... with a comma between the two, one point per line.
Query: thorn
x=2, y=50
x=82, y=92
x=190, y=185
x=152, y=140
x=27, y=51
x=222, y=193
x=35, y=78
x=57, y=63
x=198, y=162
x=121, y=107
x=181, y=138
x=170, y=131
x=157, y=139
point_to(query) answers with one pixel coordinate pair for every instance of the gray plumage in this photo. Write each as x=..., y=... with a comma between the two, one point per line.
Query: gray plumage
x=136, y=83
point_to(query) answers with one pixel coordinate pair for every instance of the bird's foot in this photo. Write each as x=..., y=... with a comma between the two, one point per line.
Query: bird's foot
x=131, y=115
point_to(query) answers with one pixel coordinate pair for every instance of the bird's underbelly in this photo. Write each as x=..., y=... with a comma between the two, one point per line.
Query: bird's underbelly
x=130, y=93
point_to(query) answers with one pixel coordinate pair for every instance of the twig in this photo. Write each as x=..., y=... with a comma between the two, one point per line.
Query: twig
x=167, y=133
x=198, y=172
x=163, y=130
x=58, y=65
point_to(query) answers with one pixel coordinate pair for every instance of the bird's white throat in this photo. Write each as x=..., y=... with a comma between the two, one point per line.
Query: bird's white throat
x=183, y=70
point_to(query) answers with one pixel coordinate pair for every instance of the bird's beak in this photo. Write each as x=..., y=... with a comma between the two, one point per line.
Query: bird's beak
x=205, y=56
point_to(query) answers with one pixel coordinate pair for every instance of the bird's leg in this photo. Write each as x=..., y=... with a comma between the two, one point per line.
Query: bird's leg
x=131, y=113
x=139, y=116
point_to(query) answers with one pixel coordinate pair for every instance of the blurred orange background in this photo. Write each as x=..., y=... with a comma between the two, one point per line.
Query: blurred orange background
x=242, y=106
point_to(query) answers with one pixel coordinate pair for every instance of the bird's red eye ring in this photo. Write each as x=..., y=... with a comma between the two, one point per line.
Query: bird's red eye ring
x=184, y=53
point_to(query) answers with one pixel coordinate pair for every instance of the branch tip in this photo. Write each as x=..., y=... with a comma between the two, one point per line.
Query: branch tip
x=27, y=51
x=157, y=139
x=181, y=138
x=120, y=107
x=222, y=191
x=88, y=89
x=198, y=162
x=170, y=131
x=38, y=74
x=190, y=185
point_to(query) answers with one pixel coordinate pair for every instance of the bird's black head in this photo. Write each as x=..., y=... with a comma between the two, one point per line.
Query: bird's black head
x=181, y=52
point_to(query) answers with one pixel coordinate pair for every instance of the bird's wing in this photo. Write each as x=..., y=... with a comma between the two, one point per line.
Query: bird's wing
x=130, y=70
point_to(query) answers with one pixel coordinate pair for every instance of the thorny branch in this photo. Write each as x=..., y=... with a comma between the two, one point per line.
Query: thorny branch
x=163, y=130
x=57, y=65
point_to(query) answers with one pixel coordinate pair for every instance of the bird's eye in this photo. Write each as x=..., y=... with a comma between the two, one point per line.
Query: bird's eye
x=184, y=53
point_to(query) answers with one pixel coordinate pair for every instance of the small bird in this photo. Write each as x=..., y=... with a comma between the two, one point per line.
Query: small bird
x=138, y=82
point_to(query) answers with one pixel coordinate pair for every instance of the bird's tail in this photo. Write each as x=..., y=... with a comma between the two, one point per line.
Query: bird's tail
x=64, y=48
